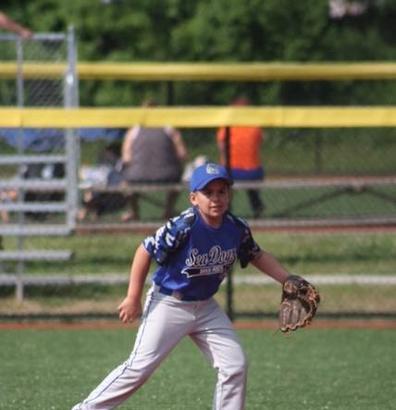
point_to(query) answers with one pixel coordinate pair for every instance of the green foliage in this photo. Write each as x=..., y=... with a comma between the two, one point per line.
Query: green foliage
x=221, y=30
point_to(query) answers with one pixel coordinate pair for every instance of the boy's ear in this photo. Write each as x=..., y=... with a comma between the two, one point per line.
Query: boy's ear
x=193, y=198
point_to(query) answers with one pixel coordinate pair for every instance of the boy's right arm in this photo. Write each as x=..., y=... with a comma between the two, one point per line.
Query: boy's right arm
x=131, y=307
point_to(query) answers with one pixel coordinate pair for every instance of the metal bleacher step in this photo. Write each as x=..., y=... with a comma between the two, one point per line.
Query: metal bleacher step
x=31, y=159
x=39, y=185
x=36, y=255
x=34, y=206
x=35, y=230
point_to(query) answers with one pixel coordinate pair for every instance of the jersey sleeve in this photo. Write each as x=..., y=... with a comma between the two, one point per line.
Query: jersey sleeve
x=249, y=248
x=169, y=237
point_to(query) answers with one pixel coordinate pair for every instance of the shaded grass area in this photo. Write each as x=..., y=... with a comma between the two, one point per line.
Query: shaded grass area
x=320, y=202
x=63, y=366
x=286, y=203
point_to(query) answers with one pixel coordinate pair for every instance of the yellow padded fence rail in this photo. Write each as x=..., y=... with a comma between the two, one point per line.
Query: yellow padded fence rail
x=206, y=71
x=200, y=117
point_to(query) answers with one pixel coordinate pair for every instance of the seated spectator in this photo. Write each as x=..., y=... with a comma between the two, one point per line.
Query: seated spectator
x=152, y=155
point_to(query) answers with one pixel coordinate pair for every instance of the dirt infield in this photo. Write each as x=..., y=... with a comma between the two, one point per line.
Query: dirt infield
x=376, y=324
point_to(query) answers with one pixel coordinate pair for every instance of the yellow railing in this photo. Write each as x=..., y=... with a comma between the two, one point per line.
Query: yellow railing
x=200, y=117
x=207, y=71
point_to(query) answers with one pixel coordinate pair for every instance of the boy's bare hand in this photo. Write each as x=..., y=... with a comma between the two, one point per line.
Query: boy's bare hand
x=129, y=310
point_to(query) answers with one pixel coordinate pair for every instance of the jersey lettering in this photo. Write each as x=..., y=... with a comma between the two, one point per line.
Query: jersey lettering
x=215, y=262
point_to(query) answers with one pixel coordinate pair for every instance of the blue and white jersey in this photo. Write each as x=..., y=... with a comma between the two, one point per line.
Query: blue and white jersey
x=194, y=258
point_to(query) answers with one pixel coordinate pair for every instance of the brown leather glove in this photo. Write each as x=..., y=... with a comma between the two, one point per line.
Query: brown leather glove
x=299, y=304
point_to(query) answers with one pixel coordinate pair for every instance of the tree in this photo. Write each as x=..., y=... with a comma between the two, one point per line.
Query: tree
x=223, y=31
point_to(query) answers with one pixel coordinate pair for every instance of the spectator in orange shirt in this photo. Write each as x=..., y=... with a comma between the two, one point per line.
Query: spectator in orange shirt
x=245, y=159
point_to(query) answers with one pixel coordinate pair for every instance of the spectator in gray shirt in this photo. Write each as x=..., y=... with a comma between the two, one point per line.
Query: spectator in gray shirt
x=152, y=155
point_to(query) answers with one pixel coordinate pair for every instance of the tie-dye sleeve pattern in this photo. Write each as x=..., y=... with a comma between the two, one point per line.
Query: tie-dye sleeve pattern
x=249, y=248
x=169, y=237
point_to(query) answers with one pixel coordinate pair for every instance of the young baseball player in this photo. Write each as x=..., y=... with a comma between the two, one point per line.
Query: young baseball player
x=194, y=251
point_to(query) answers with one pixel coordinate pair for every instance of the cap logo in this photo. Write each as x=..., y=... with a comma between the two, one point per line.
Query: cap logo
x=212, y=169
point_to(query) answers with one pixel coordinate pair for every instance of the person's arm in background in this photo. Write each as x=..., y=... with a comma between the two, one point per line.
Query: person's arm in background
x=7, y=23
x=126, y=149
x=220, y=139
x=180, y=146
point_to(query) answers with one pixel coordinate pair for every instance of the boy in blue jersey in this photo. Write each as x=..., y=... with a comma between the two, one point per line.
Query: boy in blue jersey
x=194, y=251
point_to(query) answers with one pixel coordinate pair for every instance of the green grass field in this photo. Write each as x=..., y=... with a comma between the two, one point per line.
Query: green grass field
x=312, y=369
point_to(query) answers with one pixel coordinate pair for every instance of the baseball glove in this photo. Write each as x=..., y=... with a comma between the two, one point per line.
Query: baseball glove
x=299, y=303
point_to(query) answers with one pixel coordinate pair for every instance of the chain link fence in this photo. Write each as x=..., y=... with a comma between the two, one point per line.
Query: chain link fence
x=314, y=178
x=37, y=166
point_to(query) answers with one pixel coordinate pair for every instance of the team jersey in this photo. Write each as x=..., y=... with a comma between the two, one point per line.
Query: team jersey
x=194, y=258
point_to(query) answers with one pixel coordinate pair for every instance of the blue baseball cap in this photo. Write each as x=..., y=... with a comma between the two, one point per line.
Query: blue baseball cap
x=206, y=173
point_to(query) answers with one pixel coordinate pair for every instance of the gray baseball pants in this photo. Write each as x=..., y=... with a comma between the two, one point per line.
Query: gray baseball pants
x=165, y=321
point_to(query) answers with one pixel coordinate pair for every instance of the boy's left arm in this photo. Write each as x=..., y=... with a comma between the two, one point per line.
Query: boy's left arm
x=300, y=299
x=267, y=263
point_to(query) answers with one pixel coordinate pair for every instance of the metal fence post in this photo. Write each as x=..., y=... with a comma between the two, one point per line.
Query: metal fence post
x=230, y=285
x=20, y=266
x=71, y=137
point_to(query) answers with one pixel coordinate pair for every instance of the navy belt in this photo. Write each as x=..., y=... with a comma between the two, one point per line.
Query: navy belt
x=176, y=294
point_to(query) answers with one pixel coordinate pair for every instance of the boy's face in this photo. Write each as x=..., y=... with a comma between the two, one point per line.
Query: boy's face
x=212, y=201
